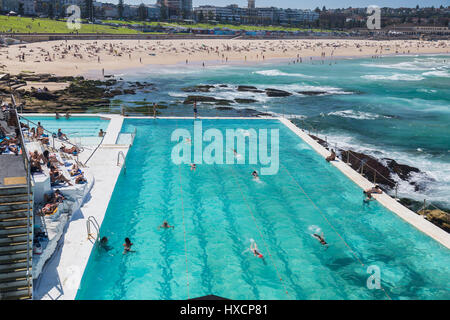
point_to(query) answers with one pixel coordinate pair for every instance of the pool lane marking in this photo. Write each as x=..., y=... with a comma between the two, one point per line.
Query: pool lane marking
x=184, y=228
x=331, y=225
x=260, y=233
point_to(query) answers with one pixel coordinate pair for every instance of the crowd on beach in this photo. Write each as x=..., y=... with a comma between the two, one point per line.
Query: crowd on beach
x=77, y=56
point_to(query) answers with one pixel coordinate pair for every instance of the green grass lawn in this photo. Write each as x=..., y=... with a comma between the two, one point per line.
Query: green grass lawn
x=39, y=25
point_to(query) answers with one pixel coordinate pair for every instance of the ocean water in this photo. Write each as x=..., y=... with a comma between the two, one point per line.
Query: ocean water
x=394, y=107
x=217, y=211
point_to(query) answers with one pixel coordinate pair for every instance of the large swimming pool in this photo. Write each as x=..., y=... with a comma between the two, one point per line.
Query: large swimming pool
x=217, y=209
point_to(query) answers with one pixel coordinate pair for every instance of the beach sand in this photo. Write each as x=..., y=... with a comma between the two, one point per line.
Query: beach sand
x=78, y=58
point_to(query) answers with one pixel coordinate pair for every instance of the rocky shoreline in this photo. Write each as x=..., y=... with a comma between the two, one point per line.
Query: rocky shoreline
x=387, y=170
x=80, y=94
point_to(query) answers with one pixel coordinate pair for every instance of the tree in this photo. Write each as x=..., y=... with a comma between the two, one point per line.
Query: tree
x=142, y=12
x=89, y=9
x=50, y=10
x=120, y=9
x=317, y=10
x=21, y=11
x=163, y=12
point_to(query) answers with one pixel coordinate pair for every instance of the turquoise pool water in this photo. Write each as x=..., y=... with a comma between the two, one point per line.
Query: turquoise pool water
x=217, y=209
x=74, y=126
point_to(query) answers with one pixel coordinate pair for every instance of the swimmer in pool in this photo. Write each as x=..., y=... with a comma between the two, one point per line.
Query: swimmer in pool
x=104, y=244
x=254, y=249
x=255, y=174
x=193, y=166
x=321, y=239
x=256, y=253
x=127, y=246
x=165, y=225
x=368, y=197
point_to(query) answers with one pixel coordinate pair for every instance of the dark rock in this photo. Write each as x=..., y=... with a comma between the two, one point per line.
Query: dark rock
x=129, y=91
x=249, y=89
x=239, y=100
x=192, y=99
x=43, y=95
x=199, y=88
x=277, y=93
x=312, y=93
x=402, y=170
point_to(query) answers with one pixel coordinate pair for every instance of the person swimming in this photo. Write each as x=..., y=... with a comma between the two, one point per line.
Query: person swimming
x=193, y=166
x=165, y=225
x=127, y=246
x=368, y=197
x=321, y=239
x=254, y=249
x=104, y=244
x=255, y=175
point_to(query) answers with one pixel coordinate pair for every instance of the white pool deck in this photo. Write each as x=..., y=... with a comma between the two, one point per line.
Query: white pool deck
x=62, y=274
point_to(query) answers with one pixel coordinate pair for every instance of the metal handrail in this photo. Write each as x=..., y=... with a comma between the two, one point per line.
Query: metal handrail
x=103, y=137
x=363, y=163
x=91, y=220
x=124, y=160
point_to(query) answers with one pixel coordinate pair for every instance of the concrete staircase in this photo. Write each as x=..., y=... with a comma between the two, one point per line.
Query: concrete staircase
x=16, y=243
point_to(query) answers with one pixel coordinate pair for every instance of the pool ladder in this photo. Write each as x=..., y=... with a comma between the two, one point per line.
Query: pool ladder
x=124, y=162
x=92, y=221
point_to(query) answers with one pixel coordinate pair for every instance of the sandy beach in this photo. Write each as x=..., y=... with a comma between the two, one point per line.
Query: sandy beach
x=75, y=57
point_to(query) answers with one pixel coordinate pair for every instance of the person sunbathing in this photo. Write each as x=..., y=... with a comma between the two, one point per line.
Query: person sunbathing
x=44, y=140
x=375, y=189
x=332, y=156
x=62, y=135
x=80, y=179
x=35, y=156
x=74, y=170
x=74, y=150
x=55, y=197
x=13, y=148
x=58, y=177
x=50, y=159
x=49, y=208
x=39, y=130
x=35, y=166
